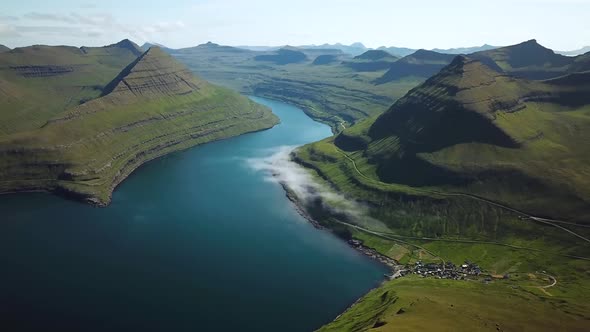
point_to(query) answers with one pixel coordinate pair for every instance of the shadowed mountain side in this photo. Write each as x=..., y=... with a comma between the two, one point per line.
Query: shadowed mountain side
x=282, y=57
x=472, y=129
x=39, y=82
x=422, y=64
x=371, y=61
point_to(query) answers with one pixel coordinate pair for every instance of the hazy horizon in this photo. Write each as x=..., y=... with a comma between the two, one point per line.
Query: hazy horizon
x=426, y=24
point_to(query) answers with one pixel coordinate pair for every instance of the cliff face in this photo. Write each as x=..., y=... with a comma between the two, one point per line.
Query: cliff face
x=152, y=107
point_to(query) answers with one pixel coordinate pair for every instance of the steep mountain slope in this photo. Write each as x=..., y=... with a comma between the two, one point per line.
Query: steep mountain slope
x=38, y=82
x=370, y=61
x=421, y=63
x=529, y=60
x=154, y=106
x=467, y=166
x=471, y=129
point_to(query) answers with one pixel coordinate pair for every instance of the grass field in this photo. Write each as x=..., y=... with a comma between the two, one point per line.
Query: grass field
x=422, y=304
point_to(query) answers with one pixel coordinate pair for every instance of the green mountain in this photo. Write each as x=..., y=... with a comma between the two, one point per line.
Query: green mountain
x=151, y=107
x=326, y=59
x=4, y=48
x=38, y=82
x=283, y=56
x=375, y=55
x=532, y=61
x=421, y=64
x=209, y=47
x=472, y=129
x=371, y=61
x=471, y=165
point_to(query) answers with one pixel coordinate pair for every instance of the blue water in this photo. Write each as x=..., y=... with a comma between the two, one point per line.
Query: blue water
x=194, y=241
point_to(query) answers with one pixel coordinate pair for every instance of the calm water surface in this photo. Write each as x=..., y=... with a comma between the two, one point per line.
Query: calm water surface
x=194, y=241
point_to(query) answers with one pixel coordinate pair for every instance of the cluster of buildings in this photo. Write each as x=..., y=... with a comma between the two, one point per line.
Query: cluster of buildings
x=446, y=270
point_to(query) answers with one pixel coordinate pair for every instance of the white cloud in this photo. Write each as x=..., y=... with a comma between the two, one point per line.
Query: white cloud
x=280, y=168
x=76, y=27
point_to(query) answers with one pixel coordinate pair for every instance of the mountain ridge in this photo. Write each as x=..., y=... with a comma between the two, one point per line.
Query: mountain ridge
x=151, y=107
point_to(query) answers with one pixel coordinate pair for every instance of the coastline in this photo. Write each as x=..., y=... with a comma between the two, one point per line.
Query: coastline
x=391, y=263
x=123, y=174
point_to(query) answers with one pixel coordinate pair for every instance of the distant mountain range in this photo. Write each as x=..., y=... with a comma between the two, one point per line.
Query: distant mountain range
x=356, y=49
x=580, y=51
x=532, y=61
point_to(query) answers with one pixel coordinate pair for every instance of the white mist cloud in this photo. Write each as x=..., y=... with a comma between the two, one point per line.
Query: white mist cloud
x=281, y=169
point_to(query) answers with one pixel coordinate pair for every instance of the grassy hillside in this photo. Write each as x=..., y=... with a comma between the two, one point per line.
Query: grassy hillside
x=371, y=61
x=460, y=169
x=473, y=130
x=375, y=55
x=418, y=304
x=39, y=82
x=532, y=61
x=421, y=64
x=151, y=107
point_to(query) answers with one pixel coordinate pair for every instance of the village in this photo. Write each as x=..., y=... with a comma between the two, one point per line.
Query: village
x=446, y=270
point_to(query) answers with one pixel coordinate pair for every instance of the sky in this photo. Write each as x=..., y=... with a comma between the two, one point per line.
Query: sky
x=557, y=24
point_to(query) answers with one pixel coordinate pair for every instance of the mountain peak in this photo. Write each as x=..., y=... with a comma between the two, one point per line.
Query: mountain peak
x=129, y=45
x=154, y=74
x=209, y=44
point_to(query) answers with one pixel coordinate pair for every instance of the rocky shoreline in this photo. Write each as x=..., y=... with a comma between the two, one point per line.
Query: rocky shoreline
x=355, y=244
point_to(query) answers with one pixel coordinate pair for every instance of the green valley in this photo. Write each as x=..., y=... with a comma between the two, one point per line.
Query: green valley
x=330, y=86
